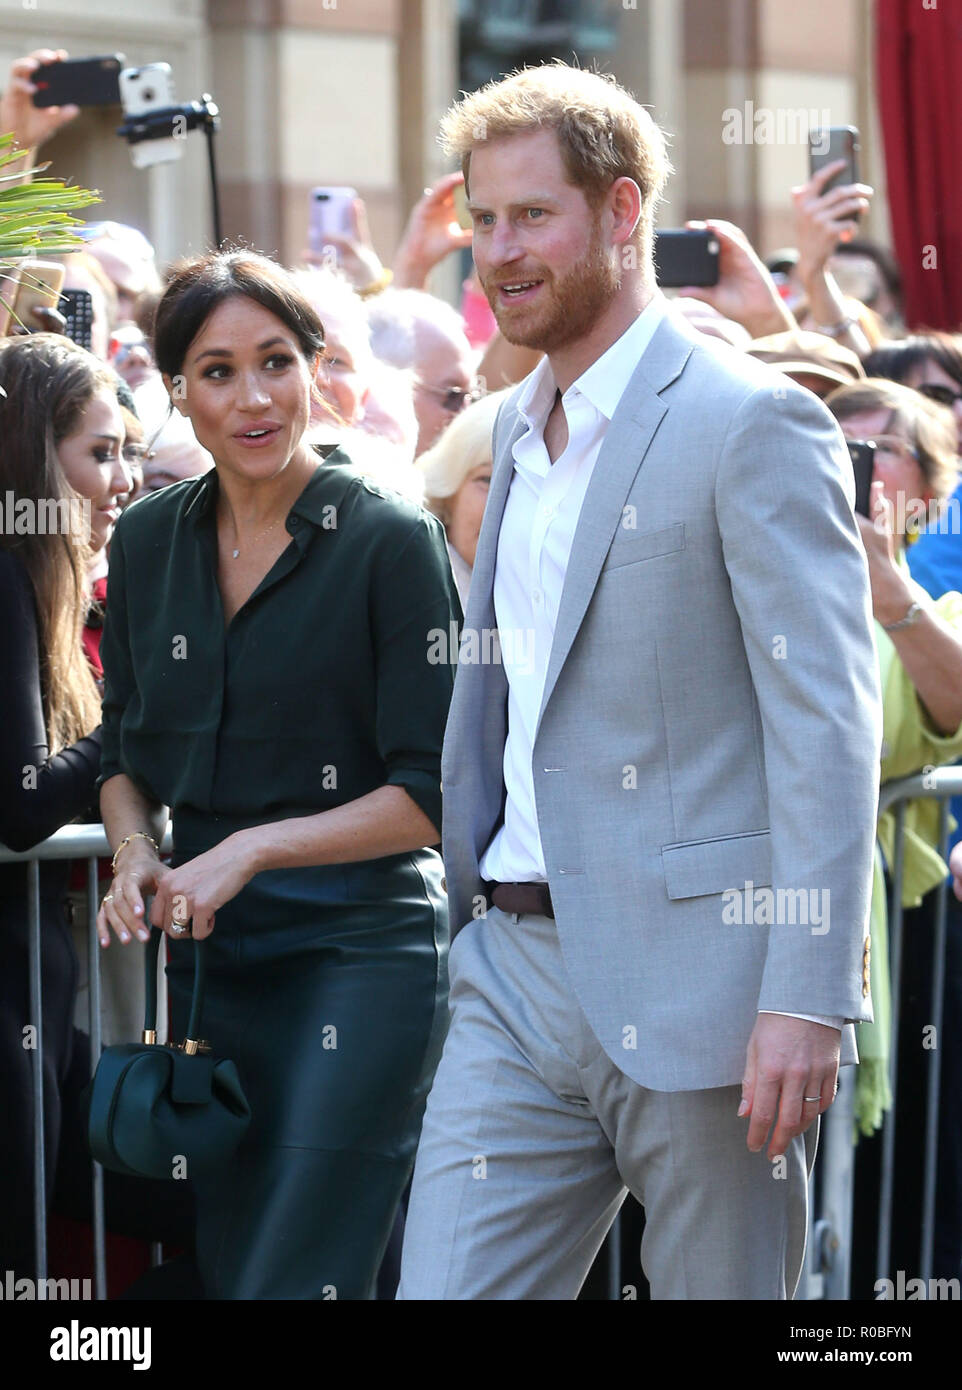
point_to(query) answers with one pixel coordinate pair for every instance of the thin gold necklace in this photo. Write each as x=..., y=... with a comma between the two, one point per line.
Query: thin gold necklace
x=255, y=539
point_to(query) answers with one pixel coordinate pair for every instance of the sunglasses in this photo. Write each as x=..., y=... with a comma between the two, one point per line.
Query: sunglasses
x=453, y=398
x=943, y=394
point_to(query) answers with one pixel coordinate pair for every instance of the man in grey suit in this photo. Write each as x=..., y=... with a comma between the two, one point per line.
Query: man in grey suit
x=660, y=798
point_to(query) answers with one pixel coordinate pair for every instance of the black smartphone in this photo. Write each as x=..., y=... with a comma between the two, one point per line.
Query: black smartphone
x=828, y=144
x=77, y=308
x=863, y=461
x=686, y=256
x=79, y=82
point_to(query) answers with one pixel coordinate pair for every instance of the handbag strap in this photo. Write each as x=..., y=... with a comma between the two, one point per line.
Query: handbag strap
x=151, y=965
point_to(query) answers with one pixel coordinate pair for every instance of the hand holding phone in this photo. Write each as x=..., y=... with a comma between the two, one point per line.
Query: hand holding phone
x=30, y=124
x=745, y=291
x=828, y=207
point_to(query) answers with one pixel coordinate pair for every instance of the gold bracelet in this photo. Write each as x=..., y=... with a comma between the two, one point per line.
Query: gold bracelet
x=376, y=286
x=134, y=834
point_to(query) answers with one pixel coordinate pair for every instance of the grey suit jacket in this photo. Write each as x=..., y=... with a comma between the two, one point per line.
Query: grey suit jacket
x=711, y=719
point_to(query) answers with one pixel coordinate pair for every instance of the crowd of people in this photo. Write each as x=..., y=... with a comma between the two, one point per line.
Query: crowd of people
x=285, y=472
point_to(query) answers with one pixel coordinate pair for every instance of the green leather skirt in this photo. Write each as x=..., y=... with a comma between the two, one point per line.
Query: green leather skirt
x=327, y=986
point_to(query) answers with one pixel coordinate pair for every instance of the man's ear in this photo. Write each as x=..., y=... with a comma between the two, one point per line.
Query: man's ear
x=625, y=202
x=176, y=387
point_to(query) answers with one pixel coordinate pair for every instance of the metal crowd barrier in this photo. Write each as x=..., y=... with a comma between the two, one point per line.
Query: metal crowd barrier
x=827, y=1269
x=828, y=1257
x=73, y=842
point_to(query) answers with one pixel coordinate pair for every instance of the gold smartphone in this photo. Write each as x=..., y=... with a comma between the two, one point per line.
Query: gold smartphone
x=461, y=207
x=38, y=287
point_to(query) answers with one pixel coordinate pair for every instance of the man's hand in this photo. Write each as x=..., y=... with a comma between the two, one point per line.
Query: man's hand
x=32, y=125
x=788, y=1059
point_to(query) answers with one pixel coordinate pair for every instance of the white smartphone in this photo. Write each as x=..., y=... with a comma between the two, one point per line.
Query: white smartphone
x=143, y=90
x=330, y=215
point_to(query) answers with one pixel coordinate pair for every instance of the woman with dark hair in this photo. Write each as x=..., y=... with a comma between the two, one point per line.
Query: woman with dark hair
x=61, y=476
x=931, y=363
x=266, y=679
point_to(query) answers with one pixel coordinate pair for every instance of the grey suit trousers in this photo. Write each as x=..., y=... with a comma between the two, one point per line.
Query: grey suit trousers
x=532, y=1136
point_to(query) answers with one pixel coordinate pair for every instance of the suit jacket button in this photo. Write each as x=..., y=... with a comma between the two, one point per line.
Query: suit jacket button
x=444, y=885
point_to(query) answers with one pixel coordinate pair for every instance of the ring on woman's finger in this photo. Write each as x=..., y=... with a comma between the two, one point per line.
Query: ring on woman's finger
x=811, y=1100
x=178, y=927
x=109, y=898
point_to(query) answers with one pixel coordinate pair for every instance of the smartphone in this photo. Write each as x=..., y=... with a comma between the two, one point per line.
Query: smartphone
x=39, y=286
x=863, y=461
x=464, y=219
x=79, y=82
x=687, y=256
x=330, y=215
x=828, y=144
x=143, y=90
x=9, y=280
x=77, y=309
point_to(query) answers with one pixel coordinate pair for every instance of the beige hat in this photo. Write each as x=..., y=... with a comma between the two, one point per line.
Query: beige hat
x=809, y=354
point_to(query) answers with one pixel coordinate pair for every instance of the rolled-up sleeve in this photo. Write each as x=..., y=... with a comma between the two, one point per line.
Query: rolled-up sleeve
x=416, y=617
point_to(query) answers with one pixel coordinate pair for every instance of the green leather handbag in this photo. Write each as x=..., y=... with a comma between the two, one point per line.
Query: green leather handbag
x=164, y=1111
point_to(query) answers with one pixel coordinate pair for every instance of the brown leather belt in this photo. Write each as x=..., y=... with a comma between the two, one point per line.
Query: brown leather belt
x=521, y=897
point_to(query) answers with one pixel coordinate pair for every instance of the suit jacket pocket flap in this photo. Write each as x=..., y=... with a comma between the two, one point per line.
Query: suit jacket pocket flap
x=698, y=867
x=628, y=547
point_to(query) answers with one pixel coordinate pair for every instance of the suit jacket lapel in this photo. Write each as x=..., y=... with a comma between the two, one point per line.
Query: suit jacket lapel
x=629, y=436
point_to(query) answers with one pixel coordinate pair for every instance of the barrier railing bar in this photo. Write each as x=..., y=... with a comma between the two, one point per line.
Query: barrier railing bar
x=96, y=1042
x=935, y=1061
x=39, y=1126
x=887, y=1184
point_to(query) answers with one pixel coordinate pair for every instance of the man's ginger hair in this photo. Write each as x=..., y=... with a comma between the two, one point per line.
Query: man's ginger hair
x=603, y=132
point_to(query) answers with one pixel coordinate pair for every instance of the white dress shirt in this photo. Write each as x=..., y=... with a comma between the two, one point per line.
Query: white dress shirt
x=537, y=530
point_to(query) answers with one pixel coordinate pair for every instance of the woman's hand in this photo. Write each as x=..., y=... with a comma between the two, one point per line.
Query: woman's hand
x=891, y=593
x=139, y=870
x=32, y=125
x=823, y=219
x=432, y=232
x=194, y=891
x=354, y=254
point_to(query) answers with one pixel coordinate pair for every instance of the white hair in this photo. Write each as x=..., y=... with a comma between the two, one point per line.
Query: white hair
x=328, y=290
x=395, y=317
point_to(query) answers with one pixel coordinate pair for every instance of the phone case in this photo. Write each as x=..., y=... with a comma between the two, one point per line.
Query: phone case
x=77, y=308
x=79, y=82
x=686, y=256
x=143, y=90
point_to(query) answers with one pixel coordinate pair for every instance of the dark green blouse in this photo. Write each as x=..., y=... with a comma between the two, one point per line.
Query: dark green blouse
x=320, y=690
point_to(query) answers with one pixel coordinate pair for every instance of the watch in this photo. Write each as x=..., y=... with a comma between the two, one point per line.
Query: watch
x=912, y=616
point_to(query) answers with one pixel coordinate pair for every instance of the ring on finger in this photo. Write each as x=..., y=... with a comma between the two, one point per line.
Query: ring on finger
x=811, y=1100
x=178, y=927
x=109, y=898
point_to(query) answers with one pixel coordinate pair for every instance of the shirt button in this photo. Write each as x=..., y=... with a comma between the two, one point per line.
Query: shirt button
x=536, y=597
x=547, y=511
x=293, y=523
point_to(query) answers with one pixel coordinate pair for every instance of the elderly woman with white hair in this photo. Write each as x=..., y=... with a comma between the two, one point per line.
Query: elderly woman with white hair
x=367, y=409
x=457, y=474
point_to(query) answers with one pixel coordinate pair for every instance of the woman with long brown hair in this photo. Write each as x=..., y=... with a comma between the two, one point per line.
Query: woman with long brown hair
x=61, y=474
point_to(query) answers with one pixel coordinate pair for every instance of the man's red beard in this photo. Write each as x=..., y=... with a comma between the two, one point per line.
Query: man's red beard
x=566, y=309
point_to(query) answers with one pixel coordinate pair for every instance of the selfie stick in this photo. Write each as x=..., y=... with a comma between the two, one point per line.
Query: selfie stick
x=170, y=122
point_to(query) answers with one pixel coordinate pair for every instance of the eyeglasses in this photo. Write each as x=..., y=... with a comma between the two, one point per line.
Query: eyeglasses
x=936, y=392
x=136, y=453
x=453, y=398
x=893, y=446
